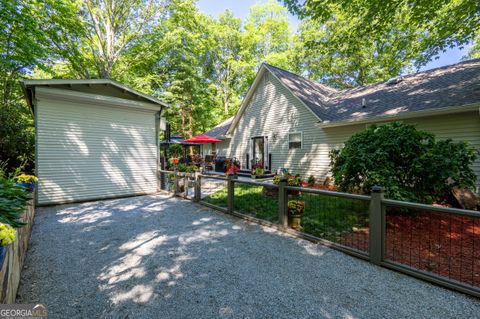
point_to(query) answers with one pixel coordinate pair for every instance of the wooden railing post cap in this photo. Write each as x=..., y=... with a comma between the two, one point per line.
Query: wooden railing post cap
x=377, y=189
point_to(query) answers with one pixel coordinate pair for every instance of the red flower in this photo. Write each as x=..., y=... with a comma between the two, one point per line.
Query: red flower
x=232, y=169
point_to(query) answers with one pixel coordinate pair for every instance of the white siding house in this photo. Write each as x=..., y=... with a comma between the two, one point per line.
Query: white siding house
x=95, y=139
x=283, y=109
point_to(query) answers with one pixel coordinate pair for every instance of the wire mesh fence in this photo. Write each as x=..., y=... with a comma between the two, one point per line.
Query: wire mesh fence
x=445, y=244
x=213, y=191
x=187, y=185
x=257, y=200
x=343, y=221
x=434, y=243
x=166, y=181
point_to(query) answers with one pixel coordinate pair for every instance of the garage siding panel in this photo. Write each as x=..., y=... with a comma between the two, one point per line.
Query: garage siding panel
x=87, y=152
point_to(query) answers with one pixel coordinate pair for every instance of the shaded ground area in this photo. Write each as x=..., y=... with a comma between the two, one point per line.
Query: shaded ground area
x=162, y=257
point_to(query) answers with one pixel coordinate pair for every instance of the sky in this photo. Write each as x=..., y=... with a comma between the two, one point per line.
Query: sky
x=240, y=8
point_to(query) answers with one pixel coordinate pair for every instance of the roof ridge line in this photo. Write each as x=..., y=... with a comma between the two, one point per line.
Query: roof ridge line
x=333, y=90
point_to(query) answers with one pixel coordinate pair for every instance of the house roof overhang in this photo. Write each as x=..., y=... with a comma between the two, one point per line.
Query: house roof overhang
x=403, y=116
x=29, y=87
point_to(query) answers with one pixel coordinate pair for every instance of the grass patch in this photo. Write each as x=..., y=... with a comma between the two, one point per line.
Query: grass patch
x=327, y=217
x=250, y=200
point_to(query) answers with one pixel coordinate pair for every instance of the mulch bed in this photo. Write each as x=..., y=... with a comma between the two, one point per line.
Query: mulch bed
x=444, y=244
x=328, y=187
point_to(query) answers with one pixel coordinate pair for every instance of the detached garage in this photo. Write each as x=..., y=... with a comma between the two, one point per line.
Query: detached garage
x=95, y=139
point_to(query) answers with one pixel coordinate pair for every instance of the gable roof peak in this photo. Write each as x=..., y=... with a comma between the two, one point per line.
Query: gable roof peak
x=320, y=86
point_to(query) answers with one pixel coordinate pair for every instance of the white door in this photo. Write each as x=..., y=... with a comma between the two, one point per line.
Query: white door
x=87, y=152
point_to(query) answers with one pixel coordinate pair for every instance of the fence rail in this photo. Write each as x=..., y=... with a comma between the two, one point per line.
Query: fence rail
x=433, y=243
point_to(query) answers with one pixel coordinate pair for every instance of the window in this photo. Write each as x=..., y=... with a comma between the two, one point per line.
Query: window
x=214, y=148
x=294, y=140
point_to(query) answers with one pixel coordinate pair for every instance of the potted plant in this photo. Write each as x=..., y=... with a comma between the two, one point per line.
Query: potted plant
x=7, y=236
x=191, y=169
x=232, y=170
x=175, y=161
x=259, y=171
x=296, y=209
x=26, y=181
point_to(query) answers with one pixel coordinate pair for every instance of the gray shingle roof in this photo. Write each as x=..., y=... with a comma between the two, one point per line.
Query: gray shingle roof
x=220, y=130
x=452, y=85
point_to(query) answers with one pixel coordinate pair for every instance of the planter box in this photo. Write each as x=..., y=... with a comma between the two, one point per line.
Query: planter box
x=15, y=256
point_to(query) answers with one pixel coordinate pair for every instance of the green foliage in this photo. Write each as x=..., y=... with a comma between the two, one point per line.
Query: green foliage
x=13, y=200
x=175, y=150
x=296, y=207
x=409, y=163
x=16, y=135
x=325, y=53
x=191, y=169
x=311, y=180
x=182, y=167
x=474, y=51
x=324, y=216
x=291, y=179
x=347, y=43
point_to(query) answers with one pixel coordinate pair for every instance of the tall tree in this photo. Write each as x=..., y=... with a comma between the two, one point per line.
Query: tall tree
x=432, y=25
x=23, y=46
x=183, y=65
x=324, y=54
x=474, y=51
x=101, y=38
x=228, y=64
x=267, y=37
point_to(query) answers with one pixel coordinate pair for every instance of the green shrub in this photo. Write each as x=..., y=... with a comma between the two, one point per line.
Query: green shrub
x=13, y=200
x=17, y=135
x=409, y=163
x=311, y=180
x=291, y=180
x=191, y=169
x=182, y=167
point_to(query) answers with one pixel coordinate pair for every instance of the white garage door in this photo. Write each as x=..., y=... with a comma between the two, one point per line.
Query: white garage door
x=87, y=152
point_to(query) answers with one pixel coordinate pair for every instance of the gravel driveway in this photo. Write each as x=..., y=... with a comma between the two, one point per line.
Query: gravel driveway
x=163, y=257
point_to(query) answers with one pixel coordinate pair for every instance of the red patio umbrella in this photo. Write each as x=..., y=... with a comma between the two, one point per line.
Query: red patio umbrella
x=202, y=139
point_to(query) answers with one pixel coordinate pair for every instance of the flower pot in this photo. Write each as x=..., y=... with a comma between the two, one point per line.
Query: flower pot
x=295, y=221
x=29, y=187
x=3, y=253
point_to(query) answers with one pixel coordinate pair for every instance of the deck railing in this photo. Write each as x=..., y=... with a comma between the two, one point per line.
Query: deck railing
x=433, y=243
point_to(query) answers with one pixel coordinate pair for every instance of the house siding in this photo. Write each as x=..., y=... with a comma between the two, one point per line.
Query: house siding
x=273, y=110
x=87, y=152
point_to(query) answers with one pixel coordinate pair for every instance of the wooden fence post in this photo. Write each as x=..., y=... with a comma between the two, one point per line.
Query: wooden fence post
x=230, y=192
x=282, y=203
x=376, y=241
x=198, y=186
x=185, y=184
x=175, y=182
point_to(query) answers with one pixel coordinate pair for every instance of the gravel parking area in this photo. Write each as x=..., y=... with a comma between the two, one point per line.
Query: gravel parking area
x=163, y=257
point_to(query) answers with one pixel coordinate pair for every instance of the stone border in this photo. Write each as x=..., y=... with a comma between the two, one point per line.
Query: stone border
x=15, y=257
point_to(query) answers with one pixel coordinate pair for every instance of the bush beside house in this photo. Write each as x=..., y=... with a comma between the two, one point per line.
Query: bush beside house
x=411, y=164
